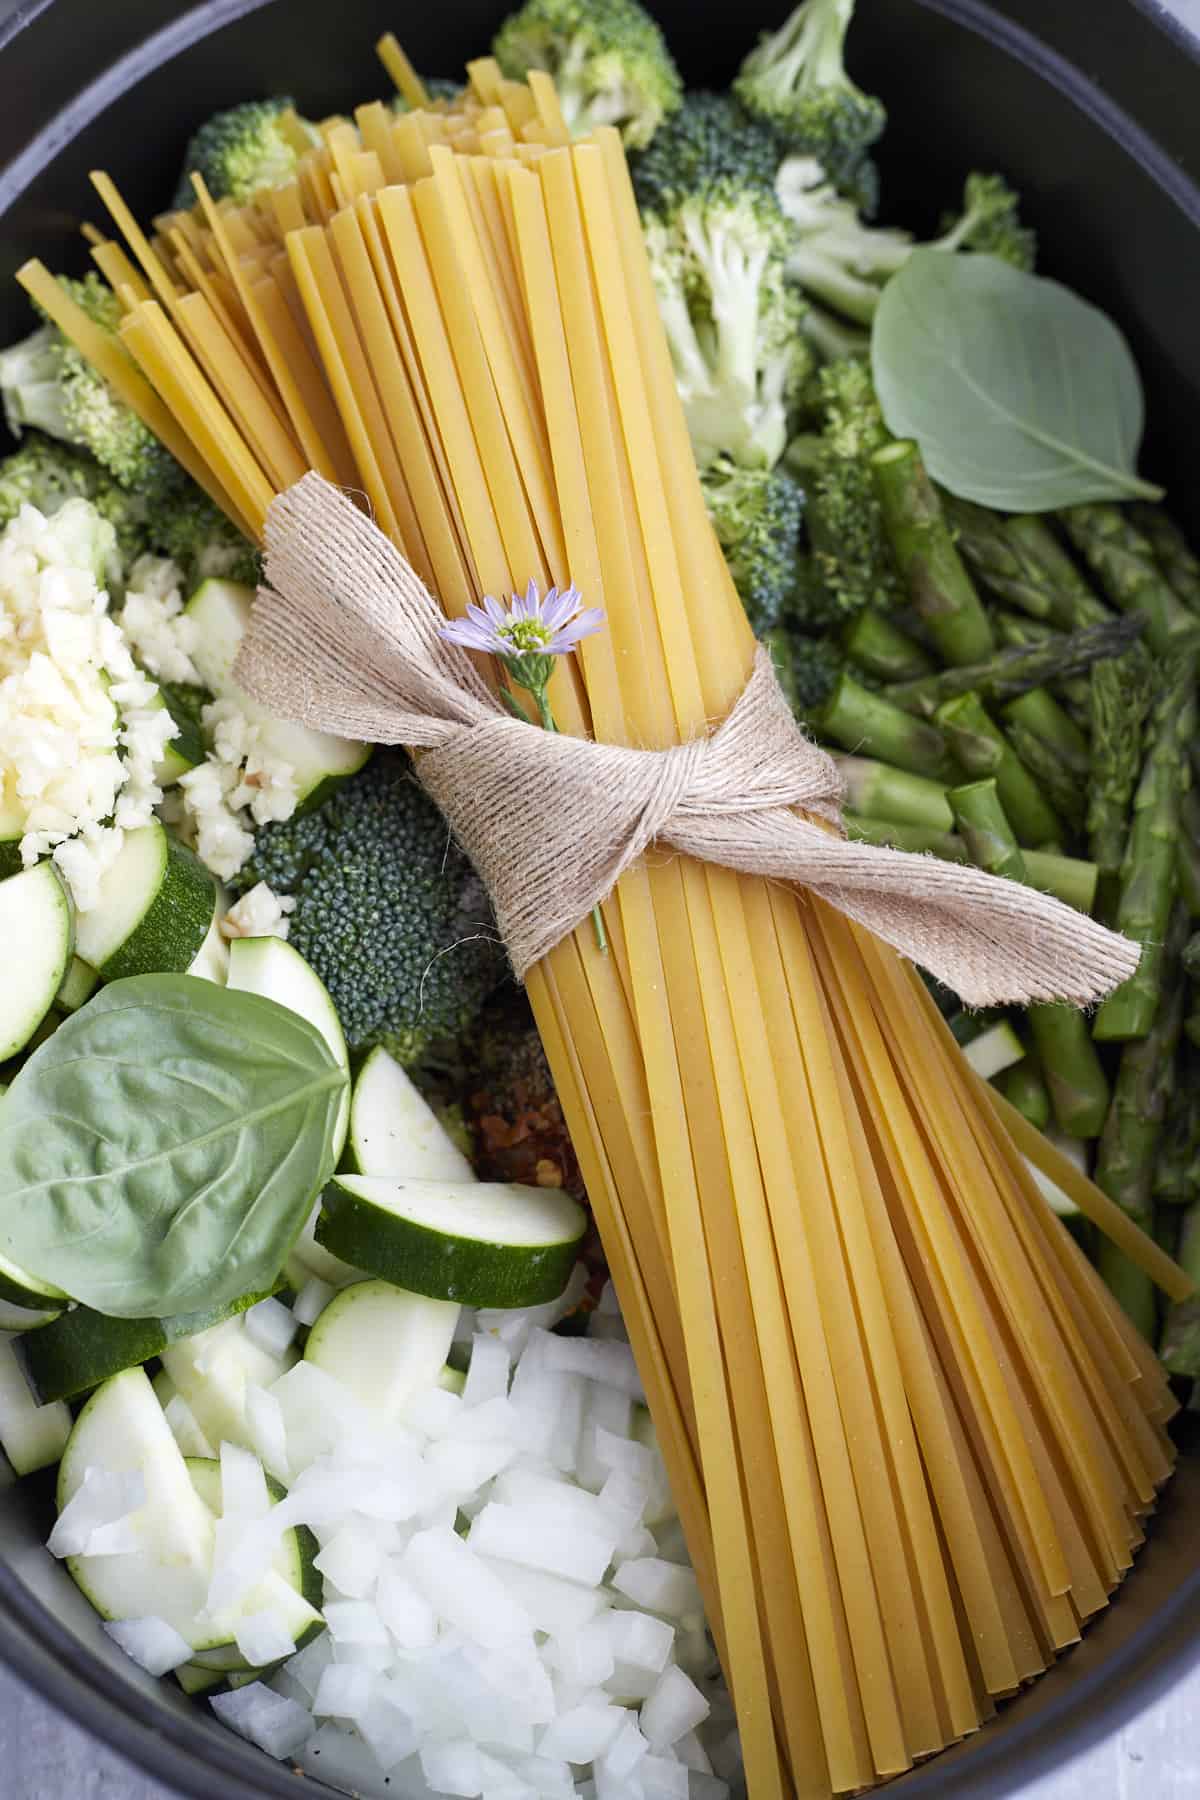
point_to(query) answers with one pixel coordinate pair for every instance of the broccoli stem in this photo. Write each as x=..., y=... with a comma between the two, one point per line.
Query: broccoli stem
x=981, y=748
x=1172, y=552
x=938, y=583
x=1121, y=693
x=858, y=719
x=1149, y=865
x=1039, y=713
x=1123, y=562
x=889, y=835
x=1021, y=562
x=1076, y=1082
x=1187, y=853
x=1063, y=789
x=1015, y=670
x=1133, y=1129
x=1024, y=1086
x=882, y=792
x=1179, y=1344
x=883, y=650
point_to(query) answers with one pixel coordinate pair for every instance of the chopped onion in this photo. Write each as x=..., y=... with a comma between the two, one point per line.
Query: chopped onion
x=676, y=1706
x=277, y=1725
x=151, y=1643
x=262, y=1638
x=271, y=1325
x=103, y=1497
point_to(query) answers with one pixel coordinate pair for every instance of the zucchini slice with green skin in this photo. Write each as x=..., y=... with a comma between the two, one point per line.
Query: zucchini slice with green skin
x=78, y=985
x=394, y=1131
x=82, y=1348
x=477, y=1243
x=19, y=1319
x=33, y=1437
x=12, y=830
x=186, y=749
x=383, y=1343
x=995, y=1049
x=318, y=760
x=155, y=909
x=195, y=1680
x=272, y=968
x=295, y=1561
x=23, y=1289
x=122, y=1427
x=211, y=961
x=37, y=929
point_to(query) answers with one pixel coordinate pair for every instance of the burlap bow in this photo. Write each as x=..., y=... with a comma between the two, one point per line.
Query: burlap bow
x=345, y=639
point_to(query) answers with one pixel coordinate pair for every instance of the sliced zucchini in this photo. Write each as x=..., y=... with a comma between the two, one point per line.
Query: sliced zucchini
x=83, y=1348
x=294, y=1562
x=78, y=985
x=20, y=1319
x=478, y=1243
x=195, y=1680
x=211, y=961
x=395, y=1132
x=155, y=909
x=213, y=1370
x=186, y=749
x=37, y=932
x=12, y=830
x=24, y=1289
x=383, y=1343
x=121, y=1428
x=272, y=968
x=33, y=1437
x=222, y=611
x=995, y=1049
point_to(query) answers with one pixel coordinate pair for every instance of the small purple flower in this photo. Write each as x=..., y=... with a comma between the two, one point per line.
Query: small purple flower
x=529, y=626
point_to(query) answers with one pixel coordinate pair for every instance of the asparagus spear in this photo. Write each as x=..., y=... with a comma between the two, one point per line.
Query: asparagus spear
x=1122, y=691
x=1172, y=551
x=1015, y=670
x=1132, y=1131
x=1024, y=1086
x=1177, y=1170
x=1148, y=868
x=880, y=648
x=938, y=583
x=1179, y=1346
x=892, y=835
x=858, y=719
x=1069, y=878
x=1021, y=562
x=981, y=747
x=1076, y=1082
x=1187, y=852
x=881, y=792
x=1123, y=562
x=1061, y=786
x=1075, y=690
x=1039, y=713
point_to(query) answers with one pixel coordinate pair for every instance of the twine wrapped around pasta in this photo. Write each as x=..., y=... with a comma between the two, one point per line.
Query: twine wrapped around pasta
x=344, y=638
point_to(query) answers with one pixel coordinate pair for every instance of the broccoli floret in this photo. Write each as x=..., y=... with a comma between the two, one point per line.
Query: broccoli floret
x=843, y=263
x=238, y=152
x=808, y=668
x=388, y=912
x=609, y=61
x=756, y=515
x=795, y=81
x=851, y=564
x=45, y=473
x=733, y=324
x=197, y=535
x=46, y=383
x=709, y=137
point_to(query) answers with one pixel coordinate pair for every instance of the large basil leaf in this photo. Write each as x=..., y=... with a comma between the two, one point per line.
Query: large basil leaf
x=1020, y=395
x=161, y=1151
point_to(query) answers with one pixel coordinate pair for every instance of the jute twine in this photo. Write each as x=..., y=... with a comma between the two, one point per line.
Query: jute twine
x=344, y=638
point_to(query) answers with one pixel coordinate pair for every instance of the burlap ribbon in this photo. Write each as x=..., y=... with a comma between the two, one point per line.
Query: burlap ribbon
x=345, y=639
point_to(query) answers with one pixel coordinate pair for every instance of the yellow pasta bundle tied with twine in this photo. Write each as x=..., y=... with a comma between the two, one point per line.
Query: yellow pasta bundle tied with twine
x=911, y=1435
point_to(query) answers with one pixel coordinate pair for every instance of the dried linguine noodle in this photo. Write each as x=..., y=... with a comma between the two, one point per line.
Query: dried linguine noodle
x=911, y=1435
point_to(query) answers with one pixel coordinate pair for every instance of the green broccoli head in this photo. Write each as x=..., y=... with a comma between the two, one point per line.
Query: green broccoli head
x=733, y=324
x=46, y=383
x=197, y=535
x=708, y=138
x=389, y=913
x=756, y=515
x=795, y=81
x=990, y=222
x=46, y=473
x=609, y=61
x=239, y=151
x=808, y=668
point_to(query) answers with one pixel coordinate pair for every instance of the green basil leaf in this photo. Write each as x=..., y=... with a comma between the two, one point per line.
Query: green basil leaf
x=1019, y=394
x=160, y=1153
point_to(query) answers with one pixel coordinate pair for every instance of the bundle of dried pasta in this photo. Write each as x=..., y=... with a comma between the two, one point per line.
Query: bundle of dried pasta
x=912, y=1437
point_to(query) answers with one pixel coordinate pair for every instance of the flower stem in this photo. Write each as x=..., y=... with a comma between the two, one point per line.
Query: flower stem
x=542, y=698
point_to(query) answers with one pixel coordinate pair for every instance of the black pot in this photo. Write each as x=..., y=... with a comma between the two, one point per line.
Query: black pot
x=1090, y=110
